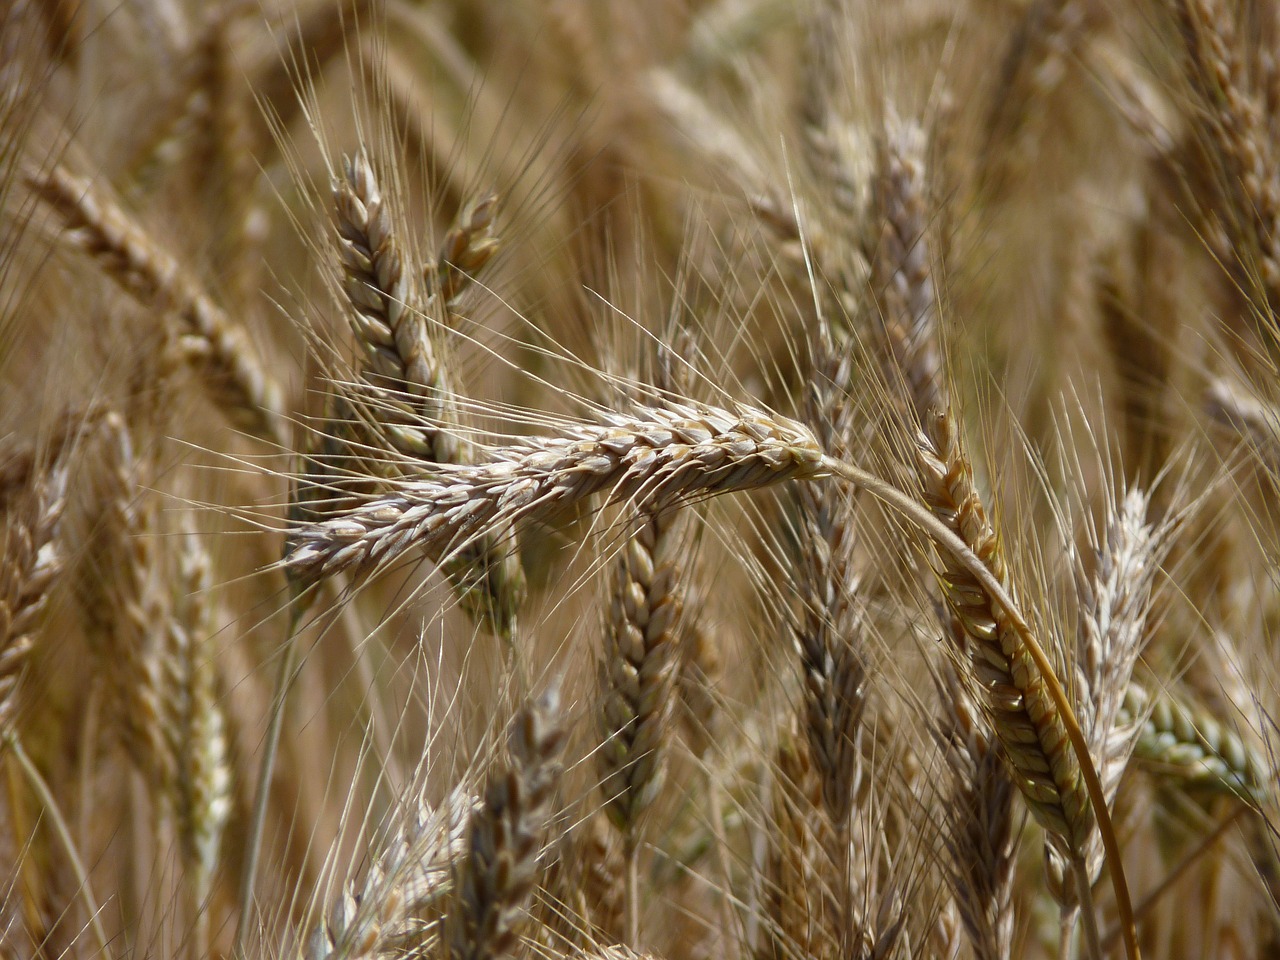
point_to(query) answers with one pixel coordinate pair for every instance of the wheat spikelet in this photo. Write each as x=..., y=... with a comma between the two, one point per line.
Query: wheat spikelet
x=213, y=343
x=652, y=454
x=468, y=246
x=32, y=563
x=504, y=840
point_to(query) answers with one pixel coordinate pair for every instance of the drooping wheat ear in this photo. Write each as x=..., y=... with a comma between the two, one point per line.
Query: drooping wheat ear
x=32, y=563
x=397, y=907
x=980, y=839
x=1114, y=604
x=1186, y=744
x=1009, y=687
x=905, y=320
x=213, y=343
x=638, y=663
x=194, y=725
x=386, y=315
x=413, y=407
x=504, y=841
x=649, y=454
x=799, y=899
x=1229, y=121
x=467, y=248
x=127, y=606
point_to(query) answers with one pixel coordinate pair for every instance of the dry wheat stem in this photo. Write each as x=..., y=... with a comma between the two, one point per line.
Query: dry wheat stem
x=650, y=454
x=215, y=345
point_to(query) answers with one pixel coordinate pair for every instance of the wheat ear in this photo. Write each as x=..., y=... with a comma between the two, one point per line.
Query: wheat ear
x=1230, y=121
x=126, y=607
x=1011, y=691
x=980, y=840
x=1114, y=605
x=32, y=563
x=1187, y=744
x=195, y=728
x=386, y=305
x=650, y=453
x=504, y=841
x=214, y=344
x=407, y=882
x=413, y=402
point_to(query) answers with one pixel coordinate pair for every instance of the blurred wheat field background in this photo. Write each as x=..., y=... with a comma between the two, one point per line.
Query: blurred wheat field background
x=700, y=478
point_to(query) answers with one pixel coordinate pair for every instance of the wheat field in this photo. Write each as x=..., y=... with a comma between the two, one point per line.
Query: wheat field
x=751, y=479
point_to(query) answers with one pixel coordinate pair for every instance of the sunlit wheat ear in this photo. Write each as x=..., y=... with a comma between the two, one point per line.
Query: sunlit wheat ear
x=399, y=904
x=1114, y=603
x=412, y=405
x=215, y=345
x=386, y=315
x=647, y=453
x=33, y=561
x=1181, y=741
x=1009, y=687
x=496, y=876
x=638, y=663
